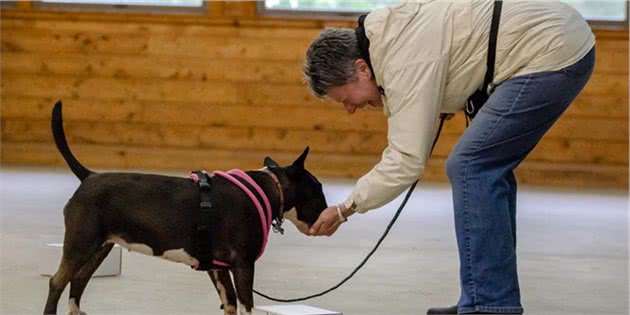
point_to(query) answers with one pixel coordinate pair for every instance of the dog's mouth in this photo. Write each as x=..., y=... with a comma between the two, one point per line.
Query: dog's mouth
x=291, y=215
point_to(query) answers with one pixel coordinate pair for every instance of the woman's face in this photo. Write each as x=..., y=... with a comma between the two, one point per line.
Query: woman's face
x=359, y=93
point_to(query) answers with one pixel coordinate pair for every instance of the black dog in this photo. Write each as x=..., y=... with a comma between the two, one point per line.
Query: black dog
x=158, y=215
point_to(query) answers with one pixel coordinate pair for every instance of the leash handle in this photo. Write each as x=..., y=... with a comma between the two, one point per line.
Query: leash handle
x=378, y=243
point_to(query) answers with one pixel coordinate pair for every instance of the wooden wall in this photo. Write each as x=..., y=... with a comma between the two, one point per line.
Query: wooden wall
x=223, y=89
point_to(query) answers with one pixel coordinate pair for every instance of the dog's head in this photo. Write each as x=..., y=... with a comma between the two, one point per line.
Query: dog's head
x=305, y=198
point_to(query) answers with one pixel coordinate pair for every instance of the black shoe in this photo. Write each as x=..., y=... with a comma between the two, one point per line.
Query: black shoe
x=451, y=310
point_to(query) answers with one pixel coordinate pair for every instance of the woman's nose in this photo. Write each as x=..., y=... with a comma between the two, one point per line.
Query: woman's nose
x=349, y=107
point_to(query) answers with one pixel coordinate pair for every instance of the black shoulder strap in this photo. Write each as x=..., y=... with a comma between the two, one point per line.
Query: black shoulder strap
x=479, y=97
x=363, y=44
x=492, y=44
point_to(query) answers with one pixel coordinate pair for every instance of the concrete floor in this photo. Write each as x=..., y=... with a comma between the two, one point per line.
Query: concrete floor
x=573, y=256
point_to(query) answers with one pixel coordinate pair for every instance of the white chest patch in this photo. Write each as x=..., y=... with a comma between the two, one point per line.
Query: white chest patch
x=180, y=256
x=176, y=255
x=132, y=247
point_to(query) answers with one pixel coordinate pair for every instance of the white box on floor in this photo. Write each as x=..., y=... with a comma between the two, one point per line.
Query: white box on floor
x=293, y=309
x=50, y=256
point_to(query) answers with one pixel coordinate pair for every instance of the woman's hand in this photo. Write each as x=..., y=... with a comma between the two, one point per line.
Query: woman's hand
x=329, y=221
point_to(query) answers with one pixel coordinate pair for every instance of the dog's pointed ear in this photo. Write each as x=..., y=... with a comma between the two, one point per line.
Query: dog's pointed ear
x=269, y=162
x=299, y=163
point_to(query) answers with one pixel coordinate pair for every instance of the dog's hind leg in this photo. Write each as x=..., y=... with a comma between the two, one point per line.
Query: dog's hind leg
x=244, y=281
x=223, y=283
x=57, y=283
x=69, y=266
x=81, y=242
x=80, y=279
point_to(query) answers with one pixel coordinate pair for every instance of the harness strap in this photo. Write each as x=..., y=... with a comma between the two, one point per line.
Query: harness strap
x=263, y=220
x=242, y=175
x=207, y=215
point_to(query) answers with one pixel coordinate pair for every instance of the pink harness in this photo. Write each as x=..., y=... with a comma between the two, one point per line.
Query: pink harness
x=264, y=214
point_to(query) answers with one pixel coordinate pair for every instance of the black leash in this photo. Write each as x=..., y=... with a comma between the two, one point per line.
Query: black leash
x=380, y=240
x=473, y=105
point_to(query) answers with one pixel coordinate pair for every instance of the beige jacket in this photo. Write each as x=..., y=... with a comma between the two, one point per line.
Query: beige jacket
x=429, y=56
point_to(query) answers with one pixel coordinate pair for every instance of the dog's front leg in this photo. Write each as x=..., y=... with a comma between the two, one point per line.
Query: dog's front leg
x=244, y=281
x=223, y=283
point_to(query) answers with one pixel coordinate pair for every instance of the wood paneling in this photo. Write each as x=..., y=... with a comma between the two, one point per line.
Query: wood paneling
x=334, y=165
x=317, y=118
x=281, y=139
x=224, y=89
x=141, y=67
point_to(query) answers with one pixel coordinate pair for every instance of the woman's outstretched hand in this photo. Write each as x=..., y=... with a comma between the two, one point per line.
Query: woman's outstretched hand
x=329, y=221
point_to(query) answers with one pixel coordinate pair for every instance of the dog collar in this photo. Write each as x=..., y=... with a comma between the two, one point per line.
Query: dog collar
x=276, y=181
x=277, y=222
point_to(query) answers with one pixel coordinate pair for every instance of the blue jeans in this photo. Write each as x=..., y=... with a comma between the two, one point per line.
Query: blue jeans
x=480, y=169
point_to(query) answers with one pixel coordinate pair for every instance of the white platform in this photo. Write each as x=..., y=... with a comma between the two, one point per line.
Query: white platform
x=295, y=309
x=50, y=256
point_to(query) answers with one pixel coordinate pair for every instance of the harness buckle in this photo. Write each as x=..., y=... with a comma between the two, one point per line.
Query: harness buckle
x=206, y=206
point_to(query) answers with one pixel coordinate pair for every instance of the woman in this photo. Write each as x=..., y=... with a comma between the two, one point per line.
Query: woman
x=423, y=59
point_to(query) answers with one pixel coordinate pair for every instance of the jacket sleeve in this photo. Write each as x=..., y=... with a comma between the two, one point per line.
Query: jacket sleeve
x=414, y=96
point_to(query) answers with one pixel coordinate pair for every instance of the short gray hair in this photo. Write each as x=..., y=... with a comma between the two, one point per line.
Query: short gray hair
x=330, y=60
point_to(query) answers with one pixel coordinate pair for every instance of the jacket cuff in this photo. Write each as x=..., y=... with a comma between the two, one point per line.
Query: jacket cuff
x=351, y=204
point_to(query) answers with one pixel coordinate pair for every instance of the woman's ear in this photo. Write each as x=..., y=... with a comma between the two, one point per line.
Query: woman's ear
x=363, y=69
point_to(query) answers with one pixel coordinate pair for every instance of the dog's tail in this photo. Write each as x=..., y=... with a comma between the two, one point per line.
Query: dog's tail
x=60, y=139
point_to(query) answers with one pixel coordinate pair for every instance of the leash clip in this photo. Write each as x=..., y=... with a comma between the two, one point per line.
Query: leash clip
x=276, y=224
x=470, y=108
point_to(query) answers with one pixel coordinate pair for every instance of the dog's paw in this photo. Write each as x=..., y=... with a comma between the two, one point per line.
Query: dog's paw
x=243, y=310
x=73, y=309
x=229, y=309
